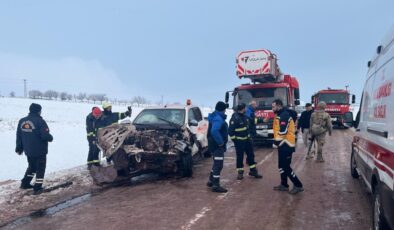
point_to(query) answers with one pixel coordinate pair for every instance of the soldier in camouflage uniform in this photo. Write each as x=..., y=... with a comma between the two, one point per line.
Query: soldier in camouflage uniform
x=320, y=124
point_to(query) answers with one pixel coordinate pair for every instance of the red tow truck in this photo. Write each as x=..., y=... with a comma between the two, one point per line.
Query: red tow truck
x=338, y=105
x=267, y=84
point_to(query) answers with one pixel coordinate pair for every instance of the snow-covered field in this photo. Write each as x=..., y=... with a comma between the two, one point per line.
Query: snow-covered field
x=66, y=121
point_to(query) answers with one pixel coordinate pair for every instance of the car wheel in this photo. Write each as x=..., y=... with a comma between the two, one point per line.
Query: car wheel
x=353, y=166
x=186, y=165
x=377, y=211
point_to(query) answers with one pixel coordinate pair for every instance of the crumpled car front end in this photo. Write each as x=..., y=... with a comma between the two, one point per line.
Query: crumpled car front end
x=140, y=150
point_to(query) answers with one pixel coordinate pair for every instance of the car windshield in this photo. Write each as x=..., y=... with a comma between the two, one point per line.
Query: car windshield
x=263, y=97
x=337, y=98
x=160, y=116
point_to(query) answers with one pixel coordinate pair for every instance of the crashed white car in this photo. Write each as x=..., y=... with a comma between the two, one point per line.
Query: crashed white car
x=159, y=139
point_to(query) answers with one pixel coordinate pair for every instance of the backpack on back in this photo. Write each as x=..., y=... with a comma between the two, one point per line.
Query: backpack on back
x=319, y=125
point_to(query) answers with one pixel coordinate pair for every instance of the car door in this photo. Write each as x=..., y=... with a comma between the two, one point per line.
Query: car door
x=201, y=128
x=363, y=157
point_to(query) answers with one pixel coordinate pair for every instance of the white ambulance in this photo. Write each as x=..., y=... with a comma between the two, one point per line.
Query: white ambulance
x=373, y=145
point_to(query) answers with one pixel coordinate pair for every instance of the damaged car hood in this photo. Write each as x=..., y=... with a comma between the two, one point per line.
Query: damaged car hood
x=134, y=141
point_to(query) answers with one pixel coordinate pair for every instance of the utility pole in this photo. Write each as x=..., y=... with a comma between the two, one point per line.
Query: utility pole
x=162, y=100
x=346, y=86
x=25, y=87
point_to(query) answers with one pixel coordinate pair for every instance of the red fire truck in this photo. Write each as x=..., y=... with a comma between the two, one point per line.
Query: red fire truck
x=338, y=105
x=267, y=84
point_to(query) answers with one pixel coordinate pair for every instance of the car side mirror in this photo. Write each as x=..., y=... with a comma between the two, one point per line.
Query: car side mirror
x=353, y=99
x=348, y=119
x=193, y=123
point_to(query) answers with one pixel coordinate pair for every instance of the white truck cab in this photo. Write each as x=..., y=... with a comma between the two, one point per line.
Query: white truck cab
x=373, y=145
x=188, y=116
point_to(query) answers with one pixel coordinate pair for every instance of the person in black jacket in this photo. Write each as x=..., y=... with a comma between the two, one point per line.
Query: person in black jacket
x=93, y=123
x=110, y=117
x=239, y=132
x=32, y=137
x=304, y=124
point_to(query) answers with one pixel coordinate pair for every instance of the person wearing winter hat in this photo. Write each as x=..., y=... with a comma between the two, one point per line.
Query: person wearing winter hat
x=32, y=137
x=94, y=121
x=217, y=140
x=110, y=117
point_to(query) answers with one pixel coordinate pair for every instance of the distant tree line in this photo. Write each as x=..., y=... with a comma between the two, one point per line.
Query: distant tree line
x=64, y=96
x=83, y=97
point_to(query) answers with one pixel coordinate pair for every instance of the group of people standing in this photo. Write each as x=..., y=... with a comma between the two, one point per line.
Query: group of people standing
x=99, y=119
x=240, y=132
x=33, y=135
x=242, y=128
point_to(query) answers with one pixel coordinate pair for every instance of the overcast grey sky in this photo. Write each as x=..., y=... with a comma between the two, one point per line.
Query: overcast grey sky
x=184, y=49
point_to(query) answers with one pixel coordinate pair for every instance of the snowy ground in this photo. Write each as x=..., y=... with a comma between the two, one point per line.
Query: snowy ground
x=66, y=121
x=15, y=202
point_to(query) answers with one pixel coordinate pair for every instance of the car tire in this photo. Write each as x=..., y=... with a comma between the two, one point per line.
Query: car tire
x=378, y=222
x=186, y=165
x=353, y=166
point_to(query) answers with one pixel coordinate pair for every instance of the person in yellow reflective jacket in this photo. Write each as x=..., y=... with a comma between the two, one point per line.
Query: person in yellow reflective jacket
x=239, y=132
x=284, y=141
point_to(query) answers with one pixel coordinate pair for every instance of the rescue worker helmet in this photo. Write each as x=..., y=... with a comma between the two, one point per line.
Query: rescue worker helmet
x=106, y=105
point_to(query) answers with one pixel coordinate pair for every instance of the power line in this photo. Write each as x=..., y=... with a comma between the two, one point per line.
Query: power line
x=25, y=86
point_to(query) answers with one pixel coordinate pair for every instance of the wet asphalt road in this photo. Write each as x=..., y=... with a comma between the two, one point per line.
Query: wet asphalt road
x=332, y=198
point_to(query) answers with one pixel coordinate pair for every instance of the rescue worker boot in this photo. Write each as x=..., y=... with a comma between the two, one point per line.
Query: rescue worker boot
x=309, y=156
x=25, y=183
x=37, y=189
x=210, y=180
x=296, y=190
x=254, y=173
x=319, y=158
x=281, y=187
x=216, y=186
x=240, y=175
